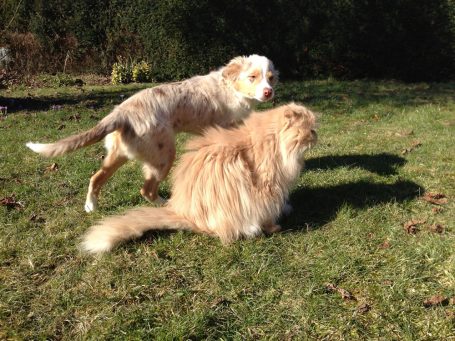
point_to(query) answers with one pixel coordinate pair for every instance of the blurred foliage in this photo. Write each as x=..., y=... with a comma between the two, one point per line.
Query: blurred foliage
x=403, y=39
x=126, y=71
x=142, y=72
x=122, y=72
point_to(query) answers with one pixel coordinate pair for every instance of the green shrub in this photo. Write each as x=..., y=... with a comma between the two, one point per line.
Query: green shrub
x=142, y=72
x=122, y=72
x=125, y=71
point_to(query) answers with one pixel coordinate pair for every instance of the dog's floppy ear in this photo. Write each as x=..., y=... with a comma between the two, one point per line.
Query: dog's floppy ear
x=232, y=70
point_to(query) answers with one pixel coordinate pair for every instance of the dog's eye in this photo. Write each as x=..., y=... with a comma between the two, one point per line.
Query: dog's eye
x=271, y=79
x=251, y=78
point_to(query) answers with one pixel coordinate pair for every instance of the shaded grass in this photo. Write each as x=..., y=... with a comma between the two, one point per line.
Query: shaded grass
x=346, y=229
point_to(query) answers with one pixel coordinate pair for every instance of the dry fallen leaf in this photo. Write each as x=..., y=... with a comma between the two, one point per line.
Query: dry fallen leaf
x=411, y=226
x=11, y=202
x=437, y=228
x=37, y=219
x=52, y=168
x=436, y=209
x=330, y=287
x=435, y=300
x=220, y=301
x=364, y=308
x=345, y=294
x=435, y=198
x=413, y=146
x=385, y=245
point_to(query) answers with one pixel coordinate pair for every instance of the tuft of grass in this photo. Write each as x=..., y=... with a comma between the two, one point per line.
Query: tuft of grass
x=382, y=146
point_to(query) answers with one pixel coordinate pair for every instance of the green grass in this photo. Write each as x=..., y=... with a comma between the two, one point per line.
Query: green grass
x=346, y=229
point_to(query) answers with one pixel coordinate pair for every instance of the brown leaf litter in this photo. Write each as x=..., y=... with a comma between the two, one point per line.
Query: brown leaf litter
x=435, y=198
x=436, y=228
x=10, y=202
x=436, y=300
x=385, y=245
x=345, y=294
x=36, y=218
x=364, y=308
x=436, y=209
x=411, y=226
x=52, y=168
x=413, y=146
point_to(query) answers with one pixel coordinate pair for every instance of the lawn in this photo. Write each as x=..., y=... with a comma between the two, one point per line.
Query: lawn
x=368, y=253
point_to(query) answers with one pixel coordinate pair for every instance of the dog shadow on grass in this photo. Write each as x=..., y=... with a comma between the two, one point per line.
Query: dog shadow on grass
x=381, y=164
x=316, y=206
x=93, y=100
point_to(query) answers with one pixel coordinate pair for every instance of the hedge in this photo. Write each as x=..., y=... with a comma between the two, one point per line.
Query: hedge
x=402, y=39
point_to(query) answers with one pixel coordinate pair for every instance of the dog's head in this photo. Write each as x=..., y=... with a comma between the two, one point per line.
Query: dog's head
x=252, y=77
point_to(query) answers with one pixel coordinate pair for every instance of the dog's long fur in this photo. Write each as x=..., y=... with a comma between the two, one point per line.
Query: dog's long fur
x=231, y=183
x=144, y=125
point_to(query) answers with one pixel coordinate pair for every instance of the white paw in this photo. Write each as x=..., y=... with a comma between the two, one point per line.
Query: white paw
x=287, y=209
x=91, y=204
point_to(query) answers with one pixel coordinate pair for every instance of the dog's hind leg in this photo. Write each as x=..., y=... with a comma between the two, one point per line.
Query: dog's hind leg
x=156, y=168
x=113, y=161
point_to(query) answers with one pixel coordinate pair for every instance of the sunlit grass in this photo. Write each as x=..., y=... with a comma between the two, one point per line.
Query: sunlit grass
x=361, y=185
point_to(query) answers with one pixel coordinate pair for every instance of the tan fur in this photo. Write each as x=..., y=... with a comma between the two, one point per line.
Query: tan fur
x=144, y=125
x=231, y=183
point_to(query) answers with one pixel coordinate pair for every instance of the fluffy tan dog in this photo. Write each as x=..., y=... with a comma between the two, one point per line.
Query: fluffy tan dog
x=231, y=183
x=144, y=125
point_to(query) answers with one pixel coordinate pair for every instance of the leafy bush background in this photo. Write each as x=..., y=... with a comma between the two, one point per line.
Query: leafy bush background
x=403, y=39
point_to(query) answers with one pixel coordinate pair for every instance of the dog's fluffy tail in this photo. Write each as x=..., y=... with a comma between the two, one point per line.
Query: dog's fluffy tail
x=114, y=230
x=109, y=124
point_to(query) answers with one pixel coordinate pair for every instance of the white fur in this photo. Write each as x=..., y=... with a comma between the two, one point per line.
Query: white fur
x=252, y=231
x=99, y=243
x=91, y=203
x=265, y=66
x=37, y=147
